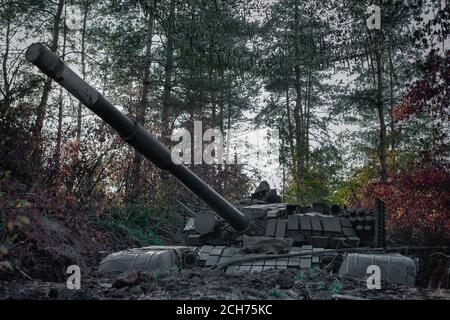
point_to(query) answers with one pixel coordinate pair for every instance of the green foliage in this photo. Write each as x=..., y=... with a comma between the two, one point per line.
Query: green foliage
x=336, y=287
x=301, y=276
x=141, y=221
x=319, y=180
x=277, y=293
x=348, y=191
x=315, y=269
x=8, y=234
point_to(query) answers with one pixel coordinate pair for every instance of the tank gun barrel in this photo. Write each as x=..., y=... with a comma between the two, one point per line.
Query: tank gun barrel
x=133, y=133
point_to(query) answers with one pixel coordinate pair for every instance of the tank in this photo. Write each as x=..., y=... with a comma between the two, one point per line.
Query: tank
x=253, y=234
x=282, y=235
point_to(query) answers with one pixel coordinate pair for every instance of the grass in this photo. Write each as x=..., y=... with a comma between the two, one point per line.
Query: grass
x=141, y=222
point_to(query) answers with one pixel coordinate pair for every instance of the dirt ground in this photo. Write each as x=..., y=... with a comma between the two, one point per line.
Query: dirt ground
x=214, y=284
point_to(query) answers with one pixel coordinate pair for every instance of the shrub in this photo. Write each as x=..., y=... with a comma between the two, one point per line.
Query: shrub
x=418, y=204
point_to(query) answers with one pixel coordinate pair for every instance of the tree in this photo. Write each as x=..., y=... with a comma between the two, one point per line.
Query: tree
x=86, y=7
x=167, y=107
x=377, y=58
x=293, y=73
x=150, y=9
x=41, y=108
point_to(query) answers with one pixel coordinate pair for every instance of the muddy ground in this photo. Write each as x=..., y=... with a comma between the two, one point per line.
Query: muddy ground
x=214, y=284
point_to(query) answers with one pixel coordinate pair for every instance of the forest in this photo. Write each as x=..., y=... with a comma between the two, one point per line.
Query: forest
x=361, y=112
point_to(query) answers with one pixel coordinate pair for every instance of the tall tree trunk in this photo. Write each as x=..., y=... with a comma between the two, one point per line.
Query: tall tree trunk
x=392, y=101
x=380, y=109
x=57, y=156
x=308, y=115
x=83, y=64
x=6, y=84
x=230, y=152
x=135, y=179
x=222, y=101
x=168, y=69
x=298, y=161
x=41, y=109
x=289, y=123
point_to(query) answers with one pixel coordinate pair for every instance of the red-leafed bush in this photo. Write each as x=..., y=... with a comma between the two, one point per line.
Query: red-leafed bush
x=418, y=205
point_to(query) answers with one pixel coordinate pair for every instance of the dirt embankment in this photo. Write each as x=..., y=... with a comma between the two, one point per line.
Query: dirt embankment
x=42, y=231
